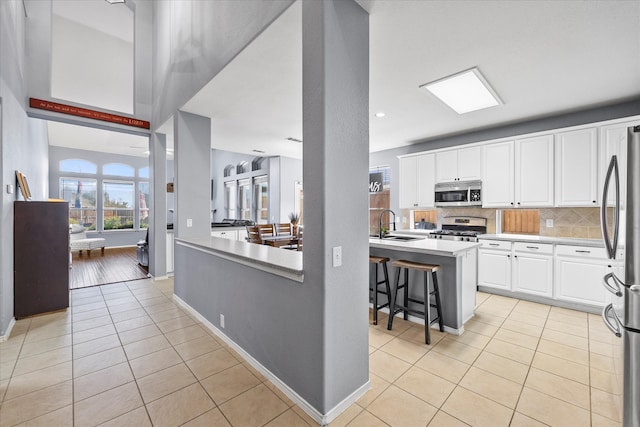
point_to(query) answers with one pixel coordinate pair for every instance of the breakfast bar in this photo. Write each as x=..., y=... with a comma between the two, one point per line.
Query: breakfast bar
x=457, y=276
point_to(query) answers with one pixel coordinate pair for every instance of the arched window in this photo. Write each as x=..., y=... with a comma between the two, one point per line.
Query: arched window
x=117, y=169
x=228, y=170
x=143, y=172
x=256, y=164
x=78, y=166
x=242, y=167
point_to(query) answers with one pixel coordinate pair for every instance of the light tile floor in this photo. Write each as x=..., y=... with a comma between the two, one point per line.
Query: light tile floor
x=126, y=355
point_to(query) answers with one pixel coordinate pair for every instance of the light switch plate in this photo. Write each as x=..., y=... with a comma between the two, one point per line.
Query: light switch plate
x=549, y=223
x=189, y=222
x=337, y=256
x=9, y=188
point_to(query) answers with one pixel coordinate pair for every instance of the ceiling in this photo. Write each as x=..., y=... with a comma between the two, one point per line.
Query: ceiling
x=543, y=58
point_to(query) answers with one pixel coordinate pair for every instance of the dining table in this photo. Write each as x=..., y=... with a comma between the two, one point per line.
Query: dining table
x=280, y=241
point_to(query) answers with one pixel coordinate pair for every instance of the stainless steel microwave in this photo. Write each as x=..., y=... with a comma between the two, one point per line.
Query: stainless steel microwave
x=461, y=193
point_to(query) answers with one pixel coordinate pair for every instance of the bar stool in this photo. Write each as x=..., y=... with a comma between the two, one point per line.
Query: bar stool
x=426, y=268
x=376, y=260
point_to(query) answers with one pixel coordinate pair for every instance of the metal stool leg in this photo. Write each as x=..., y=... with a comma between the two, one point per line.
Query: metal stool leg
x=392, y=302
x=375, y=297
x=406, y=293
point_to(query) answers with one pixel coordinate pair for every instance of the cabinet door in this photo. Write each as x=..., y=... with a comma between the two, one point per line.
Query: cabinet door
x=494, y=269
x=534, y=171
x=231, y=235
x=408, y=182
x=576, y=167
x=242, y=235
x=498, y=175
x=580, y=280
x=426, y=165
x=447, y=166
x=533, y=274
x=613, y=141
x=469, y=163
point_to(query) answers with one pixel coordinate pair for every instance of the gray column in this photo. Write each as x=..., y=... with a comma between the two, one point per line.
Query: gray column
x=335, y=46
x=158, y=203
x=192, y=160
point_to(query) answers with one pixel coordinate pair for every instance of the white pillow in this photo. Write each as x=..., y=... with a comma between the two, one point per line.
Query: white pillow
x=76, y=228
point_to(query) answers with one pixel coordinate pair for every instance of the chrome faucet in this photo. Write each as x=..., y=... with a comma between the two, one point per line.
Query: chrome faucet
x=380, y=221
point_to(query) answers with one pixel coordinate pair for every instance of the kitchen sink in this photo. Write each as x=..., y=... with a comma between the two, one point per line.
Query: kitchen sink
x=399, y=238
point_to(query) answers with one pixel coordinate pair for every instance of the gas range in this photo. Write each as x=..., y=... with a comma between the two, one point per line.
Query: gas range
x=460, y=228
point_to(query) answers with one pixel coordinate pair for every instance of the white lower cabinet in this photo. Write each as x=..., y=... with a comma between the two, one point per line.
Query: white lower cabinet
x=494, y=264
x=227, y=234
x=578, y=275
x=572, y=274
x=533, y=268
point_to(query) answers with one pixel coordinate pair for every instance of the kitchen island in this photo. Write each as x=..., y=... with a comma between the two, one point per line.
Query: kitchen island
x=457, y=278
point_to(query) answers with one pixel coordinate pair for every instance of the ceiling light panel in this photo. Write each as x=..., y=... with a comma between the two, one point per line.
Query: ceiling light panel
x=464, y=92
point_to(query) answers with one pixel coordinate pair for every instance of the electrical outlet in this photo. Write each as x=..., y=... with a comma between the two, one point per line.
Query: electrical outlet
x=549, y=223
x=337, y=256
x=222, y=320
x=189, y=222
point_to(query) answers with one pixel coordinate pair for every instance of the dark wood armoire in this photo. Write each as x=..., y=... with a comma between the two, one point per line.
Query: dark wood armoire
x=41, y=257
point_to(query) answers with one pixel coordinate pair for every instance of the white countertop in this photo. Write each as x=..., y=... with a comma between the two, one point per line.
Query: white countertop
x=278, y=261
x=450, y=248
x=594, y=243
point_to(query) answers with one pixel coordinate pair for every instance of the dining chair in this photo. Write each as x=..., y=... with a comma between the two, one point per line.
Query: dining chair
x=253, y=234
x=283, y=229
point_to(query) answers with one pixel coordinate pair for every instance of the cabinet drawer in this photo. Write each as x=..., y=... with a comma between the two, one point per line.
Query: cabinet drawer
x=581, y=251
x=495, y=244
x=532, y=247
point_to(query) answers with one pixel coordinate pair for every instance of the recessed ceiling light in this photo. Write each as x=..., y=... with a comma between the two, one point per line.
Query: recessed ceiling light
x=464, y=92
x=115, y=1
x=292, y=139
x=258, y=151
x=380, y=115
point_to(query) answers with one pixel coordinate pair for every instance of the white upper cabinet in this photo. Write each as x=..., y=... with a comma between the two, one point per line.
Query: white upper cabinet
x=534, y=171
x=417, y=179
x=613, y=141
x=458, y=165
x=576, y=165
x=498, y=179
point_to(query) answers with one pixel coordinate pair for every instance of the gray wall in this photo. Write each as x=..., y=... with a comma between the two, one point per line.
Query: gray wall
x=56, y=154
x=591, y=115
x=23, y=143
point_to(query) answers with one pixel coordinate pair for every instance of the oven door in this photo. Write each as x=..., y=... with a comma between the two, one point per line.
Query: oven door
x=452, y=197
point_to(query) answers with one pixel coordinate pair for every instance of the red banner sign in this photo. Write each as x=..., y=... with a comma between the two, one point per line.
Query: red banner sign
x=89, y=114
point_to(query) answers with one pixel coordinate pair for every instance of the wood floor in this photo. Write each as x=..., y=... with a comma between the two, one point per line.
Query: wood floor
x=116, y=265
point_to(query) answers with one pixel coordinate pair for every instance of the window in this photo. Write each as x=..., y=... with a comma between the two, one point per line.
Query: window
x=379, y=200
x=244, y=193
x=81, y=195
x=228, y=170
x=143, y=194
x=256, y=164
x=243, y=167
x=261, y=191
x=117, y=169
x=230, y=199
x=143, y=172
x=78, y=166
x=118, y=205
x=298, y=198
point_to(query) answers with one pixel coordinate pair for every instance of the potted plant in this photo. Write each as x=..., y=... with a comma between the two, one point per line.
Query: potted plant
x=294, y=218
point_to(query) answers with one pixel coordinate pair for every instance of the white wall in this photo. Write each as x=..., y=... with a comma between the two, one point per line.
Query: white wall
x=23, y=144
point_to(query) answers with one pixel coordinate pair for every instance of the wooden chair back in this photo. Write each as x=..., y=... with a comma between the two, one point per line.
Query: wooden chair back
x=300, y=230
x=265, y=230
x=283, y=229
x=253, y=234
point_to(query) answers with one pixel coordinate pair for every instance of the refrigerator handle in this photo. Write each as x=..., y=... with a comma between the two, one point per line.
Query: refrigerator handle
x=605, y=316
x=617, y=291
x=611, y=171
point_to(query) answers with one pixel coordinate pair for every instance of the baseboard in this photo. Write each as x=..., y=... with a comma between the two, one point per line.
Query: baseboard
x=322, y=419
x=7, y=334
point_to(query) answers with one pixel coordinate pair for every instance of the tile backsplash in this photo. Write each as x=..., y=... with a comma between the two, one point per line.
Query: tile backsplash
x=567, y=222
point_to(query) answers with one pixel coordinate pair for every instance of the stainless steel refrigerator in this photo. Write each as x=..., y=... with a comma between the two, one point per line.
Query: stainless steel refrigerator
x=620, y=222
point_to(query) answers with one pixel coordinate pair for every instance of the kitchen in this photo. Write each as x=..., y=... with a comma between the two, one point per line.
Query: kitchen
x=321, y=325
